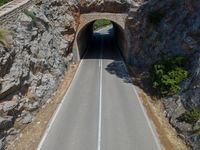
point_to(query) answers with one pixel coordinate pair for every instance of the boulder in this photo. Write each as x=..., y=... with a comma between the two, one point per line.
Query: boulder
x=27, y=118
x=10, y=105
x=2, y=143
x=32, y=106
x=13, y=131
x=6, y=60
x=6, y=122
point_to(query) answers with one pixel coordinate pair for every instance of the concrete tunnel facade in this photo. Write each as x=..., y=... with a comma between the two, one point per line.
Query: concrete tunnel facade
x=84, y=33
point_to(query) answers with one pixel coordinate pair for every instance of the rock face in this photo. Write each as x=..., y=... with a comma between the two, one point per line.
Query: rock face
x=40, y=53
x=6, y=123
x=35, y=62
x=170, y=28
x=27, y=119
x=105, y=6
x=31, y=69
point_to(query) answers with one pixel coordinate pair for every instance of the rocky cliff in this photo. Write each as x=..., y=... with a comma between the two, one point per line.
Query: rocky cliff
x=170, y=28
x=34, y=62
x=40, y=52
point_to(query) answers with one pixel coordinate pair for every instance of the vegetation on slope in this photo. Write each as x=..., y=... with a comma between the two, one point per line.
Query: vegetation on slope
x=98, y=24
x=167, y=74
x=4, y=37
x=32, y=16
x=191, y=116
x=2, y=2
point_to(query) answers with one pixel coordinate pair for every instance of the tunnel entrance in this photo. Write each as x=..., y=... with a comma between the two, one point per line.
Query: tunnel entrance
x=105, y=48
x=86, y=33
x=100, y=42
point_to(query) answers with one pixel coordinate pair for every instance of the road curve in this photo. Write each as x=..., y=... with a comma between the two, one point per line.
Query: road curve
x=101, y=110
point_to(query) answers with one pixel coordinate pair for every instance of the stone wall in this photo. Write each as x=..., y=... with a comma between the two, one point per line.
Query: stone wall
x=85, y=23
x=10, y=16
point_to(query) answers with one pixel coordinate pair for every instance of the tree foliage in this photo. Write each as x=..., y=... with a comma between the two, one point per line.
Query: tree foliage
x=101, y=23
x=167, y=74
x=2, y=2
x=191, y=116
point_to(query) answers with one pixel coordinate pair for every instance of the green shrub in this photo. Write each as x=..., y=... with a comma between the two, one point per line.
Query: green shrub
x=2, y=2
x=167, y=74
x=4, y=37
x=155, y=17
x=101, y=23
x=191, y=116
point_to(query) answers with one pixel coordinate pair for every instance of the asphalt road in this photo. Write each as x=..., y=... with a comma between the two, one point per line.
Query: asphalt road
x=101, y=110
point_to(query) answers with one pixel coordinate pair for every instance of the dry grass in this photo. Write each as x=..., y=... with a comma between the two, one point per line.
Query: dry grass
x=5, y=37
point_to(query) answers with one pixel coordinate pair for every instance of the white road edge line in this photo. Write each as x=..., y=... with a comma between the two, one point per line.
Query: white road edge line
x=50, y=124
x=148, y=120
x=143, y=109
x=100, y=100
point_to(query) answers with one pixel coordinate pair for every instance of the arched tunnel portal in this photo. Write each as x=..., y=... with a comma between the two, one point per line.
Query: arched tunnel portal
x=85, y=33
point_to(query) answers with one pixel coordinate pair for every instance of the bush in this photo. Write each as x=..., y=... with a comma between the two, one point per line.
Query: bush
x=2, y=2
x=191, y=116
x=155, y=17
x=101, y=23
x=167, y=74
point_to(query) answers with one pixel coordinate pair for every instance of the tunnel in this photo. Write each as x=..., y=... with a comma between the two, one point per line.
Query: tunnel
x=85, y=37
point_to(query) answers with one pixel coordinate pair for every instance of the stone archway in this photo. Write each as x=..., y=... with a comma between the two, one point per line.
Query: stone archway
x=84, y=32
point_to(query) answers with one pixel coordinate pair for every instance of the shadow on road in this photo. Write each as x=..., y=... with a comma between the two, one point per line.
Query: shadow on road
x=117, y=68
x=107, y=42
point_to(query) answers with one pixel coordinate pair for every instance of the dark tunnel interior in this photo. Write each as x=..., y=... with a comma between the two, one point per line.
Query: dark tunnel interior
x=112, y=40
x=108, y=45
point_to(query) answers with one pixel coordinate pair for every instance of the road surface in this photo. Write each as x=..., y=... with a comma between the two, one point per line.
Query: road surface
x=101, y=110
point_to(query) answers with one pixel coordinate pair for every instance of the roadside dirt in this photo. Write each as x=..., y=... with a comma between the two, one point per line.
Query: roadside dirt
x=31, y=135
x=155, y=111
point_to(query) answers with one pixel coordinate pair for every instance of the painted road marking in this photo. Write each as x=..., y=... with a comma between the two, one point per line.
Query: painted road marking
x=142, y=106
x=100, y=99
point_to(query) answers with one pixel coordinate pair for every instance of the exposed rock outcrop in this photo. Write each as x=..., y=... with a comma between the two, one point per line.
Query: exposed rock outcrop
x=112, y=6
x=31, y=69
x=170, y=28
x=6, y=122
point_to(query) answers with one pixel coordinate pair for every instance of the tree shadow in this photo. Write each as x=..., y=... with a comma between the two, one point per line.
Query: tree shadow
x=111, y=52
x=119, y=69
